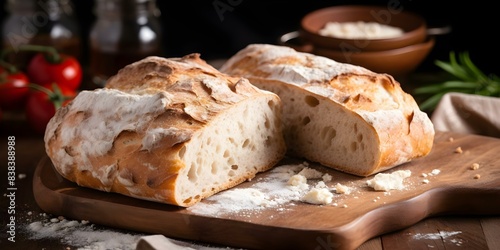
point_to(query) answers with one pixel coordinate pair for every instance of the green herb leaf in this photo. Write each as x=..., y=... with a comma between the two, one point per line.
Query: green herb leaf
x=467, y=78
x=431, y=102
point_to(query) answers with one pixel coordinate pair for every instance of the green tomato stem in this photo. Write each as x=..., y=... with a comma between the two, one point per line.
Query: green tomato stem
x=11, y=68
x=55, y=95
x=50, y=53
x=40, y=88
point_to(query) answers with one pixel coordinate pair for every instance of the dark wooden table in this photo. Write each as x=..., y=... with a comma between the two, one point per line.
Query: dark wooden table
x=472, y=232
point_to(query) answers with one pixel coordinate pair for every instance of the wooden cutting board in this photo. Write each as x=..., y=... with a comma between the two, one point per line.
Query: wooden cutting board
x=355, y=217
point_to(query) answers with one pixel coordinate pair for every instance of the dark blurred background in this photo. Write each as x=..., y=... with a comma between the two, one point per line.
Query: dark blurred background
x=197, y=26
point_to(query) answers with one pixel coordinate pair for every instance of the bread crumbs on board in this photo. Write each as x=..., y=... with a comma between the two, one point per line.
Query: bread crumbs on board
x=284, y=187
x=389, y=181
x=474, y=166
x=280, y=189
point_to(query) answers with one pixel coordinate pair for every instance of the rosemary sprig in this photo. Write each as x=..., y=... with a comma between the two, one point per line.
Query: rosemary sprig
x=466, y=77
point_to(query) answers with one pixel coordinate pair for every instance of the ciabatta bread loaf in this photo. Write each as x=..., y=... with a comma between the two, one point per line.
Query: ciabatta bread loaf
x=340, y=115
x=168, y=130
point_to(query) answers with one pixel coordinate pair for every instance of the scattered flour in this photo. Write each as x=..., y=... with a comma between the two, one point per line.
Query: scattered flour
x=85, y=236
x=436, y=236
x=234, y=201
x=434, y=172
x=81, y=234
x=443, y=235
x=283, y=185
x=287, y=184
x=271, y=191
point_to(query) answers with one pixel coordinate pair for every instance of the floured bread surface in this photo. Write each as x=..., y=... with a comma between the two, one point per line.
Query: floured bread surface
x=340, y=115
x=169, y=130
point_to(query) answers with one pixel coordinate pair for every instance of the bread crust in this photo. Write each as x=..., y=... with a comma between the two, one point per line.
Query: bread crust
x=403, y=130
x=128, y=137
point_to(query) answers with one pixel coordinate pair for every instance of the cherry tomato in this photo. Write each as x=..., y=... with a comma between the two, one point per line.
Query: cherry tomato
x=65, y=73
x=40, y=107
x=14, y=89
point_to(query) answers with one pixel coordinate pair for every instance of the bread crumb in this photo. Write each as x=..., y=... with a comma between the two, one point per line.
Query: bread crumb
x=327, y=177
x=344, y=206
x=451, y=139
x=342, y=189
x=423, y=175
x=319, y=196
x=386, y=182
x=459, y=150
x=435, y=172
x=297, y=180
x=374, y=200
x=425, y=181
x=320, y=184
x=474, y=166
x=310, y=173
x=477, y=176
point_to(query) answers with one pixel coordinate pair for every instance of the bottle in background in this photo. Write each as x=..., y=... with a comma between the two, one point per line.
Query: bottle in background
x=40, y=22
x=125, y=31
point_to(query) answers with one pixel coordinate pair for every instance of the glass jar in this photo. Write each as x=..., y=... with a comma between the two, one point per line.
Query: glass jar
x=40, y=22
x=125, y=31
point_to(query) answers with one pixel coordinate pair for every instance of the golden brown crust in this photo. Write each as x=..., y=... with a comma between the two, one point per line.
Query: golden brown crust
x=127, y=137
x=404, y=131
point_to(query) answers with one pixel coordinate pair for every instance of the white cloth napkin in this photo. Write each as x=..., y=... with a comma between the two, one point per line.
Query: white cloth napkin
x=160, y=242
x=467, y=113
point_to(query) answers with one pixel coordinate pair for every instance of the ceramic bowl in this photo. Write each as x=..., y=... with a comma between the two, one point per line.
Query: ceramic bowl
x=396, y=62
x=413, y=26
